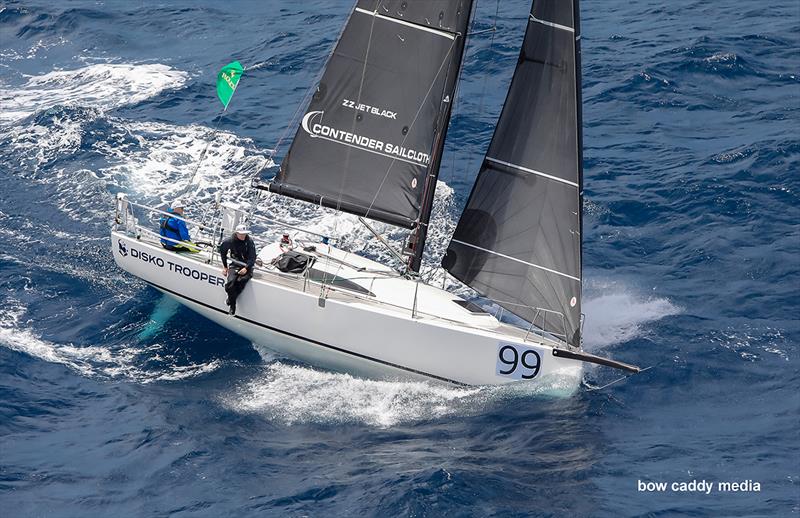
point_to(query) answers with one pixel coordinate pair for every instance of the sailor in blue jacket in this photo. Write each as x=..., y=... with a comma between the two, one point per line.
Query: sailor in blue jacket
x=175, y=228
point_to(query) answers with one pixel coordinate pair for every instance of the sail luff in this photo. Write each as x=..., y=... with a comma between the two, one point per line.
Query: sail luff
x=518, y=241
x=367, y=141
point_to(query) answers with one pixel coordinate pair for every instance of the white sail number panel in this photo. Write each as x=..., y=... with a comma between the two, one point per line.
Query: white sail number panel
x=517, y=361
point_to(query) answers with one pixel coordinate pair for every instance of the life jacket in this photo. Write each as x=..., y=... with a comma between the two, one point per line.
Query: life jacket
x=166, y=227
x=169, y=229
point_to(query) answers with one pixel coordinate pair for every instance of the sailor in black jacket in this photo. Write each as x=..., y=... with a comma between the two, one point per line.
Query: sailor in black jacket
x=242, y=250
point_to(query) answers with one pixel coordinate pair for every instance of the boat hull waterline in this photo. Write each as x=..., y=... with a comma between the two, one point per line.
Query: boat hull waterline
x=351, y=336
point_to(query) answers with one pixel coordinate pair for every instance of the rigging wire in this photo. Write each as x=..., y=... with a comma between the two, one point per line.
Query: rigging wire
x=293, y=121
x=355, y=117
x=213, y=133
x=411, y=125
x=211, y=138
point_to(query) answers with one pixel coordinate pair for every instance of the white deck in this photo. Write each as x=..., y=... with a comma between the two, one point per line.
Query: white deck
x=392, y=293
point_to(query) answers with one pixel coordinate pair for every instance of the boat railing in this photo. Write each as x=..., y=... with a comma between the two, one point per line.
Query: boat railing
x=123, y=203
x=283, y=224
x=541, y=324
x=129, y=213
x=126, y=219
x=541, y=329
x=177, y=242
x=538, y=326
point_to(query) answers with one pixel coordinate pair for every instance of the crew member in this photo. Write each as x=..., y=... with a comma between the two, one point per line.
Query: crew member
x=243, y=258
x=174, y=228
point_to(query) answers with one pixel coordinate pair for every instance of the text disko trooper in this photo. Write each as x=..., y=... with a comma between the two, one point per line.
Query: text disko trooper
x=159, y=262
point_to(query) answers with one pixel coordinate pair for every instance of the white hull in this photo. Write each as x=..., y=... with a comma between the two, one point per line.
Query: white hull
x=370, y=335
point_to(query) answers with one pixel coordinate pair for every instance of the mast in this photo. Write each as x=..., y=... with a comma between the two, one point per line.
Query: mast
x=420, y=232
x=579, y=104
x=518, y=241
x=372, y=135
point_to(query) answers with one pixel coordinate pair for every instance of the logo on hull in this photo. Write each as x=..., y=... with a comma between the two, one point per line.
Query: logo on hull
x=123, y=250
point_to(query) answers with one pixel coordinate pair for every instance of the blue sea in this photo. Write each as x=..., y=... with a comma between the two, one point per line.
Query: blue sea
x=117, y=402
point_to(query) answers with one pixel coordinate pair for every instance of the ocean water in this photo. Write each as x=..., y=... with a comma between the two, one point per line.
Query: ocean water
x=115, y=401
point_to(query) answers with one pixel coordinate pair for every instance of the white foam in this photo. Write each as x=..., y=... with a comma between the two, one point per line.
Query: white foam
x=35, y=145
x=104, y=85
x=299, y=394
x=89, y=361
x=149, y=160
x=721, y=57
x=617, y=314
x=165, y=162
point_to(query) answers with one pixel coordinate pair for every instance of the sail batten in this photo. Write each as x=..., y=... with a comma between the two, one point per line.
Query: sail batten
x=540, y=267
x=552, y=24
x=403, y=22
x=532, y=171
x=518, y=241
x=369, y=140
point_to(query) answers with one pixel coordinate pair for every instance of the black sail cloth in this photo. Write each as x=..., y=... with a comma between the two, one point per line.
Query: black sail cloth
x=518, y=241
x=369, y=135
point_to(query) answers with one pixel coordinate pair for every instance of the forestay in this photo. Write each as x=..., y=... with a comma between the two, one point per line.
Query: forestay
x=518, y=241
x=374, y=125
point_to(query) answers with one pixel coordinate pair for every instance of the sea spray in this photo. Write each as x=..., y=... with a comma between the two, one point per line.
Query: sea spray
x=103, y=85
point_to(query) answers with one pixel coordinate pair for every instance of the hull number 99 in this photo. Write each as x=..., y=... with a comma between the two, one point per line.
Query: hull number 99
x=517, y=362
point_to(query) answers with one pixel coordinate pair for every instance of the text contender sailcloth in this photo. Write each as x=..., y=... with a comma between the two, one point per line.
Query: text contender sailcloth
x=518, y=241
x=367, y=139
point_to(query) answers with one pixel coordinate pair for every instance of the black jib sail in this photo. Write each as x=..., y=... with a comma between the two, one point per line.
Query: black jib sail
x=373, y=130
x=518, y=241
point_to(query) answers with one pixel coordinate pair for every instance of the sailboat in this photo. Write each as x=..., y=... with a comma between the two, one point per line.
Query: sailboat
x=370, y=144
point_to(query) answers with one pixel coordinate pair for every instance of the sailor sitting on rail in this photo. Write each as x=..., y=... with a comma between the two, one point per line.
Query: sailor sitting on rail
x=243, y=258
x=175, y=229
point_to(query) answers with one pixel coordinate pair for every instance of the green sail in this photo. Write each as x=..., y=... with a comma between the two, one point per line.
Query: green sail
x=227, y=79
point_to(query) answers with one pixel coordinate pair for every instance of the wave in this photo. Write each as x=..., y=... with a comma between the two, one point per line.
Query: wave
x=93, y=361
x=152, y=161
x=292, y=394
x=105, y=86
x=753, y=343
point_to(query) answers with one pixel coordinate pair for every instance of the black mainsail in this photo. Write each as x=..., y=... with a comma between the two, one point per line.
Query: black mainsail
x=518, y=241
x=370, y=141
